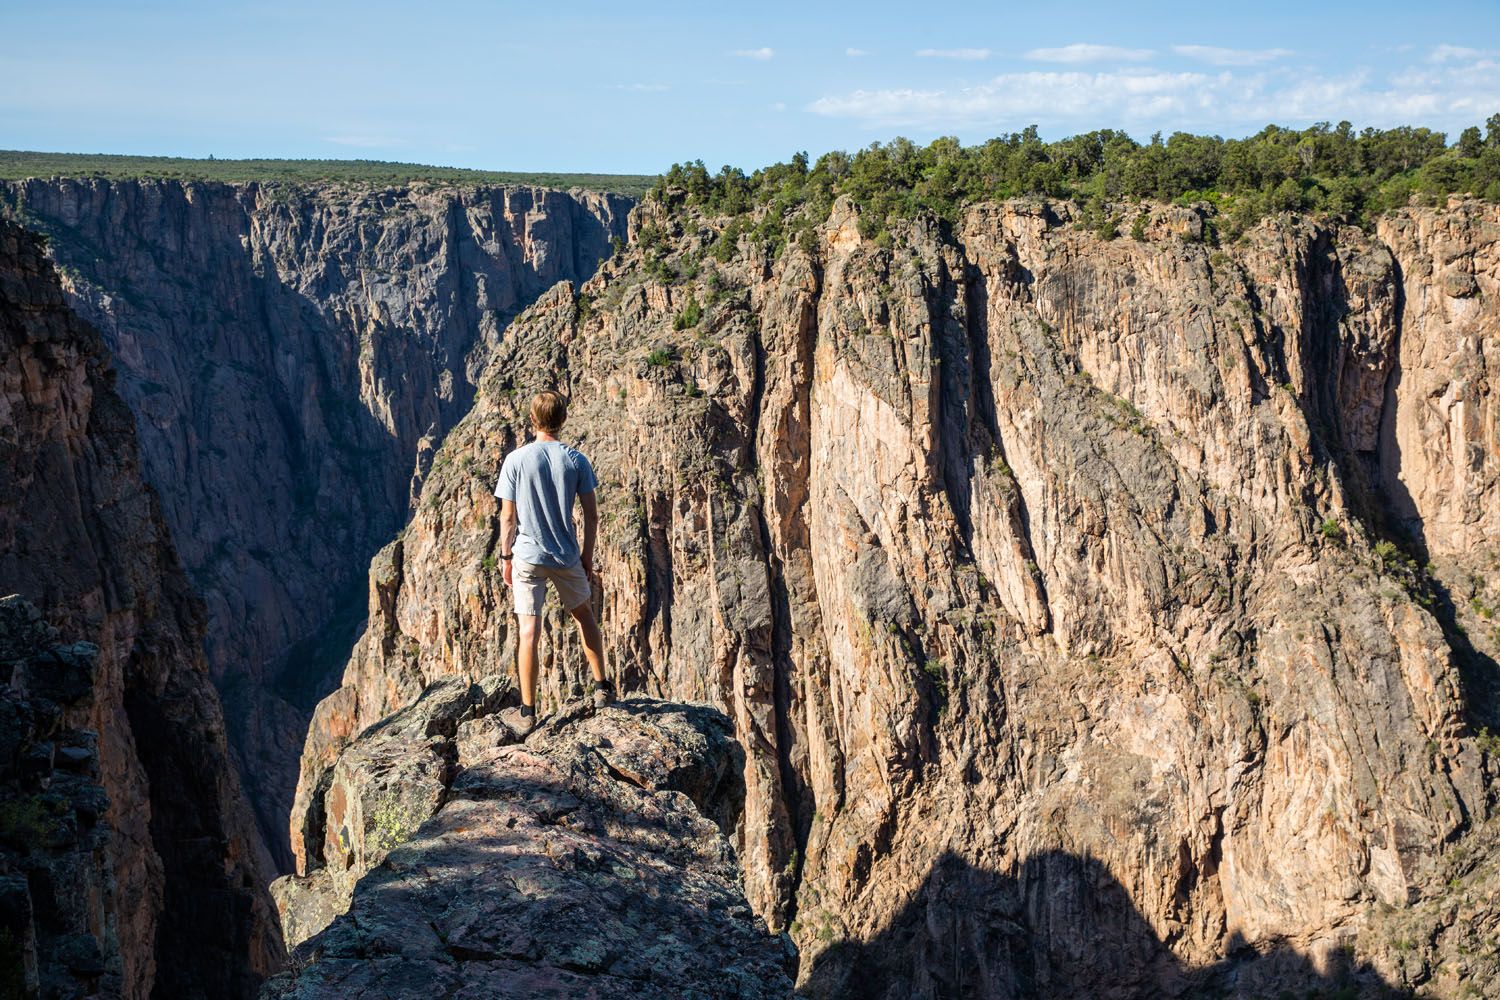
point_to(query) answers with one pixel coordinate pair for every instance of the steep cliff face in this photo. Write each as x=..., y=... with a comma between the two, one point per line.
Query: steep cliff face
x=590, y=859
x=1440, y=427
x=1062, y=591
x=153, y=888
x=293, y=355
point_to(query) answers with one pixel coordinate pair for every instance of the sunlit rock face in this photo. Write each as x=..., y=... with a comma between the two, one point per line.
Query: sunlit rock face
x=1068, y=595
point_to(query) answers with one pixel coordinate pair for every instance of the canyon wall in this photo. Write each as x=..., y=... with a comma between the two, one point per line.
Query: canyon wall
x=293, y=354
x=128, y=855
x=1090, y=610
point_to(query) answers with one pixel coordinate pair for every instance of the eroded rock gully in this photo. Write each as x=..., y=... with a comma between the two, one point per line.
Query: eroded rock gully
x=128, y=856
x=1067, y=595
x=293, y=353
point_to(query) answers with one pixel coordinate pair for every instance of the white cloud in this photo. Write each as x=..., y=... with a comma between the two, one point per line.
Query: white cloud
x=1216, y=56
x=854, y=53
x=763, y=53
x=1082, y=52
x=1446, y=53
x=969, y=55
x=642, y=87
x=1448, y=96
x=1013, y=95
x=779, y=106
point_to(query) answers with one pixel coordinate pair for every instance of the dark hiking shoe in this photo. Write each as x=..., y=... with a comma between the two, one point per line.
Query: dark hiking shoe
x=604, y=693
x=521, y=720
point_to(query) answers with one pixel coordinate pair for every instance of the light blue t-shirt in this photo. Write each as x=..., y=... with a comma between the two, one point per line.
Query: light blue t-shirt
x=541, y=479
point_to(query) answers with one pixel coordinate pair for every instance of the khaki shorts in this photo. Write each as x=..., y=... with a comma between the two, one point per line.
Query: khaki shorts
x=531, y=586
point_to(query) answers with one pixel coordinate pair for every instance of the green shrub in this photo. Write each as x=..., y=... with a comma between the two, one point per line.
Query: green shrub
x=30, y=824
x=689, y=316
x=659, y=358
x=1487, y=741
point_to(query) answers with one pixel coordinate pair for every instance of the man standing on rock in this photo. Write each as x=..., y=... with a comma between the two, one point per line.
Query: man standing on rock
x=537, y=485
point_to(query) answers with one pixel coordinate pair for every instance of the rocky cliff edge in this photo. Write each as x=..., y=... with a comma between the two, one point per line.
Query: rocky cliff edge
x=589, y=859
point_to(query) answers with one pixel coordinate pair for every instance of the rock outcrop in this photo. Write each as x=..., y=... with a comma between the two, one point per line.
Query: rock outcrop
x=1076, y=575
x=589, y=860
x=385, y=784
x=293, y=354
x=58, y=934
x=129, y=848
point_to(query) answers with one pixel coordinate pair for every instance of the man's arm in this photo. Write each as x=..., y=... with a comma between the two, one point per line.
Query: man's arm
x=590, y=504
x=507, y=535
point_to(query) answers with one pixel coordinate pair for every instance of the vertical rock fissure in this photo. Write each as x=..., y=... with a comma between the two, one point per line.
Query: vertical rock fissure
x=789, y=781
x=1479, y=675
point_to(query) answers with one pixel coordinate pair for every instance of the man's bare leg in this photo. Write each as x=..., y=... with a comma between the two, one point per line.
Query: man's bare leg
x=593, y=639
x=530, y=632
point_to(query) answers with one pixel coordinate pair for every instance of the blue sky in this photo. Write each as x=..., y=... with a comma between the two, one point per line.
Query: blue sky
x=633, y=87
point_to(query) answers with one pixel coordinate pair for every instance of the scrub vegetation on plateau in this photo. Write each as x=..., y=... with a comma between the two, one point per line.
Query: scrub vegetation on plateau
x=1330, y=171
x=21, y=164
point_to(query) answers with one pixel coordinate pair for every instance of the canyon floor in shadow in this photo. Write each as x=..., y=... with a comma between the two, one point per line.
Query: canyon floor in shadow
x=1063, y=926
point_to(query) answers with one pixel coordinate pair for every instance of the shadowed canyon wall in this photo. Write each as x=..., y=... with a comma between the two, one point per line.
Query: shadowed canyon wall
x=1144, y=569
x=128, y=855
x=293, y=354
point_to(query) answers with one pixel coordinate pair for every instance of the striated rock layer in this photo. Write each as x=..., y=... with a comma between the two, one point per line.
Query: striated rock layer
x=138, y=869
x=589, y=860
x=1070, y=597
x=293, y=354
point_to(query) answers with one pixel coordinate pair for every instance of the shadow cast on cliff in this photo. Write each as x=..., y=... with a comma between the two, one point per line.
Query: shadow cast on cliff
x=1372, y=470
x=1061, y=926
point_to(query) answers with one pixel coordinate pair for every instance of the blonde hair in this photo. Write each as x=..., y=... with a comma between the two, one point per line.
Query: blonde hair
x=549, y=410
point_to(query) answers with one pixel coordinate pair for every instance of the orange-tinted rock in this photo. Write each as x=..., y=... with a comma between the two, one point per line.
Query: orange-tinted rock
x=1024, y=562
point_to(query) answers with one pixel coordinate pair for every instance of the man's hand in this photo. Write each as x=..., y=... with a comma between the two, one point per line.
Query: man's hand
x=506, y=573
x=588, y=564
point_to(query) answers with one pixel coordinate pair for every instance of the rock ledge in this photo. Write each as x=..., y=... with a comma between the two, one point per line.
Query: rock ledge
x=590, y=859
